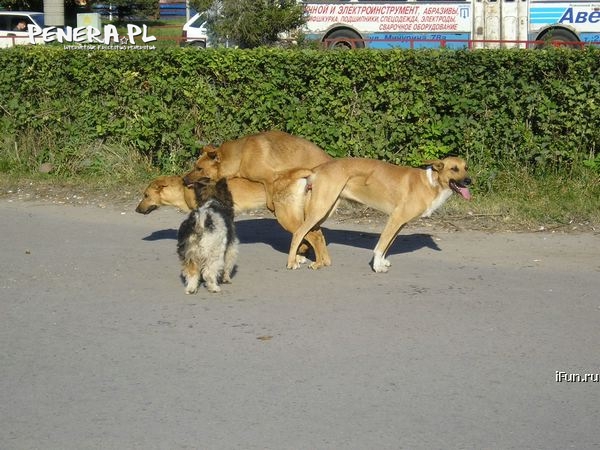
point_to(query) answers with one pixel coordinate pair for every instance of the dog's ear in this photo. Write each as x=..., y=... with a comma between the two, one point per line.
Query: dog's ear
x=215, y=156
x=211, y=152
x=436, y=165
x=159, y=185
x=208, y=149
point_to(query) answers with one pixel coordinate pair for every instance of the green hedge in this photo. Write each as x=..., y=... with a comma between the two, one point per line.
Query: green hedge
x=500, y=107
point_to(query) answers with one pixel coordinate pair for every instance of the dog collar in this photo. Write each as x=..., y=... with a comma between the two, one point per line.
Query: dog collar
x=429, y=172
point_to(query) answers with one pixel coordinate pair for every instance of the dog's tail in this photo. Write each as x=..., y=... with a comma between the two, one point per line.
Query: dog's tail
x=292, y=181
x=293, y=174
x=291, y=190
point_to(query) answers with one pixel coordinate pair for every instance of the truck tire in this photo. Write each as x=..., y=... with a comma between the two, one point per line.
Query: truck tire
x=344, y=39
x=558, y=38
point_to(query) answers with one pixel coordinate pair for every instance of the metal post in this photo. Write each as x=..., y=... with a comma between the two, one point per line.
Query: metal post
x=54, y=13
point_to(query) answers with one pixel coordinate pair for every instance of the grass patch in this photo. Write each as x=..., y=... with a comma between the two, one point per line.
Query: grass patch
x=32, y=156
x=517, y=199
x=167, y=32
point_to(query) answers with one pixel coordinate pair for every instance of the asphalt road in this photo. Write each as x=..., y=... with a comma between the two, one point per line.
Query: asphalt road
x=458, y=346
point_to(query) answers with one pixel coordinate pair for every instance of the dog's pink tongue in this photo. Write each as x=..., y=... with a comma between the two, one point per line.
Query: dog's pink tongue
x=464, y=191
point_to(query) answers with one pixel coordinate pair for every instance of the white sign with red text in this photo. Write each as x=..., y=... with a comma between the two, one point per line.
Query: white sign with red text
x=377, y=18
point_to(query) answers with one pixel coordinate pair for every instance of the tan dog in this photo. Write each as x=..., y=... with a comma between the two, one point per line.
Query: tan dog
x=167, y=191
x=268, y=158
x=247, y=195
x=170, y=191
x=403, y=193
x=261, y=157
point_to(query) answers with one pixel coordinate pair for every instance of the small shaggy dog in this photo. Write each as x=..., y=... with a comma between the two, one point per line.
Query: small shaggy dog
x=206, y=242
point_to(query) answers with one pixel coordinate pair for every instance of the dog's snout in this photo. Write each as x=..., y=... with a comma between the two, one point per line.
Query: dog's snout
x=467, y=181
x=146, y=210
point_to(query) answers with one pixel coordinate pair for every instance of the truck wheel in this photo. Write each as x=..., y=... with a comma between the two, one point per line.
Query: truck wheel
x=198, y=44
x=558, y=38
x=344, y=39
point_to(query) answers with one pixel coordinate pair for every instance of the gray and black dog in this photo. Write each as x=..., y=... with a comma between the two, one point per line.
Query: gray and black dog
x=207, y=244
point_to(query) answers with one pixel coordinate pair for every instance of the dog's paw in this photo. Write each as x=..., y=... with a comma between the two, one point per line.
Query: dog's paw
x=293, y=266
x=315, y=265
x=214, y=288
x=191, y=290
x=380, y=266
x=301, y=259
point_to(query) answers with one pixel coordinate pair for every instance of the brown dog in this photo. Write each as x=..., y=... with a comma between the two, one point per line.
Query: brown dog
x=167, y=191
x=403, y=193
x=259, y=157
x=170, y=191
x=247, y=195
x=268, y=158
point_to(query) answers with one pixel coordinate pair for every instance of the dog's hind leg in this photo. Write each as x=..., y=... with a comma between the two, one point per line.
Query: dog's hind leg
x=210, y=275
x=290, y=192
x=317, y=241
x=231, y=255
x=320, y=206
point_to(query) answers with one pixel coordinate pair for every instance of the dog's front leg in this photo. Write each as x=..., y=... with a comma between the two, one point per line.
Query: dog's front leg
x=191, y=286
x=191, y=275
x=211, y=283
x=380, y=264
x=392, y=228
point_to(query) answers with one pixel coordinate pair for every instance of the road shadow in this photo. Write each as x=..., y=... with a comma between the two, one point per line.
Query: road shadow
x=268, y=231
x=159, y=235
